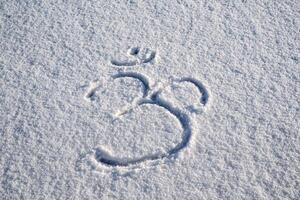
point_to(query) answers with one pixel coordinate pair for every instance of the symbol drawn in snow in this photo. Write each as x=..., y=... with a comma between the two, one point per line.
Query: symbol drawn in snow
x=176, y=98
x=136, y=56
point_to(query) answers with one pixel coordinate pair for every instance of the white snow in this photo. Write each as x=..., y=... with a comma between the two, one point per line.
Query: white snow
x=149, y=99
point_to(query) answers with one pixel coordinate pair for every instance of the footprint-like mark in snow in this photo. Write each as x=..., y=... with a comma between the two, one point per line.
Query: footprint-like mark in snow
x=182, y=93
x=135, y=56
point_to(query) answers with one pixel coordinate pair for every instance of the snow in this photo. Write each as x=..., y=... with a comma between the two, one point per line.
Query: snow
x=149, y=99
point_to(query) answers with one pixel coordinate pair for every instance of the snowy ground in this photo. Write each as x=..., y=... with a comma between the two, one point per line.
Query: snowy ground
x=149, y=100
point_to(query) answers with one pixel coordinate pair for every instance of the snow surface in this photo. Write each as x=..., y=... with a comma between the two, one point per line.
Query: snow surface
x=149, y=99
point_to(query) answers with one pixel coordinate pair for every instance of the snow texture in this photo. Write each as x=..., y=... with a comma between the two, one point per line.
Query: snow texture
x=149, y=99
